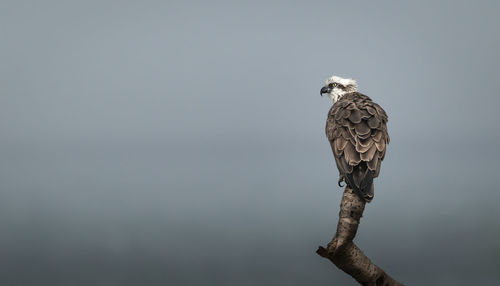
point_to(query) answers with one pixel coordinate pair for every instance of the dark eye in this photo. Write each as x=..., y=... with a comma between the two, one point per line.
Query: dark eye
x=332, y=85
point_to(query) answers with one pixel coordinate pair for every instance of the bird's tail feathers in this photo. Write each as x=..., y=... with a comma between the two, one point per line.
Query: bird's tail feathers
x=361, y=181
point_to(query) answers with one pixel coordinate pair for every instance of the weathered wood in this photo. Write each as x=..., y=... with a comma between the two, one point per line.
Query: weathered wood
x=345, y=254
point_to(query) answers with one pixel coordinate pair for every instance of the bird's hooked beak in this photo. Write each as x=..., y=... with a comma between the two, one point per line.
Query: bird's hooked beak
x=325, y=89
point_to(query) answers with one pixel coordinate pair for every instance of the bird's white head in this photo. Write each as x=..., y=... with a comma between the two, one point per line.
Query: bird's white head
x=336, y=87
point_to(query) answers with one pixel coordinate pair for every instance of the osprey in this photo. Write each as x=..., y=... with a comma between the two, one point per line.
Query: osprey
x=357, y=131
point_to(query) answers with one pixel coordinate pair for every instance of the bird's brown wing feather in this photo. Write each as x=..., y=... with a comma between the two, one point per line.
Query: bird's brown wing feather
x=357, y=130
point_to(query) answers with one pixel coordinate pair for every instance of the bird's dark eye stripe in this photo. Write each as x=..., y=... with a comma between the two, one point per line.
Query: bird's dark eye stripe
x=334, y=84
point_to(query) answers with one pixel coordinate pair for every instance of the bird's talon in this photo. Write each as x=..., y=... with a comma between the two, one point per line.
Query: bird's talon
x=341, y=179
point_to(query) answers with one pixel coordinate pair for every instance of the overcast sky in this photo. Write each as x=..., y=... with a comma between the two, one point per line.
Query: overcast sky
x=182, y=142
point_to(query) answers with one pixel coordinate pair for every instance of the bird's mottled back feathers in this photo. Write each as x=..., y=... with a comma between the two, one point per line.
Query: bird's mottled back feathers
x=357, y=131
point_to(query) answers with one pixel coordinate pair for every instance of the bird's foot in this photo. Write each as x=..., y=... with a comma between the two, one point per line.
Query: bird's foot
x=341, y=179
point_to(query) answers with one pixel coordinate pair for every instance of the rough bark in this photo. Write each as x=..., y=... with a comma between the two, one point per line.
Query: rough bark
x=345, y=254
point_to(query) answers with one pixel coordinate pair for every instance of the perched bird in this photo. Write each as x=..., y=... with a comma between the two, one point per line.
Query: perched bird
x=357, y=131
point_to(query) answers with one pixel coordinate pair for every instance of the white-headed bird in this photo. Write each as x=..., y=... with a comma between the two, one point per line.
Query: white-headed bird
x=357, y=131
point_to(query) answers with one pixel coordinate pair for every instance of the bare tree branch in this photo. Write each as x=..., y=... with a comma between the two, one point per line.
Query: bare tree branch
x=345, y=254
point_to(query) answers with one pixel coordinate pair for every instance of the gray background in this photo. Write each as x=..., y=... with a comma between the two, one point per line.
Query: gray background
x=182, y=143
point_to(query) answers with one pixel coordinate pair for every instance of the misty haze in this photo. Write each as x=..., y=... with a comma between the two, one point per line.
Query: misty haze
x=183, y=143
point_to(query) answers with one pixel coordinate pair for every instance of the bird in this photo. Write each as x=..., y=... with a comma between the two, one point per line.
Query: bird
x=356, y=128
